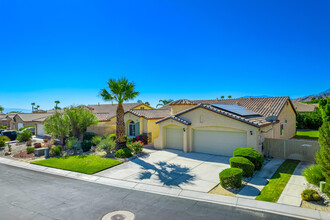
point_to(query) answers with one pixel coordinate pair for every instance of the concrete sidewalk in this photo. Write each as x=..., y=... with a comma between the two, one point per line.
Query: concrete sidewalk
x=281, y=209
x=260, y=180
x=295, y=186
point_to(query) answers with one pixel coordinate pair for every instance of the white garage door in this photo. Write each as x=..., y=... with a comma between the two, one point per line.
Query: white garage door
x=174, y=138
x=40, y=130
x=218, y=142
x=20, y=125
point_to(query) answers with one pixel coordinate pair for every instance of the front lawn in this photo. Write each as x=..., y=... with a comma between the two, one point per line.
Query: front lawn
x=307, y=134
x=273, y=190
x=88, y=164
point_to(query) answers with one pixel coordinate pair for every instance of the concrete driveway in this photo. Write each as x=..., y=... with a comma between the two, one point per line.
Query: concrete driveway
x=171, y=168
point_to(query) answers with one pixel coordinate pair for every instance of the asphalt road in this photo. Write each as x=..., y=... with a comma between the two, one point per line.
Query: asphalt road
x=26, y=194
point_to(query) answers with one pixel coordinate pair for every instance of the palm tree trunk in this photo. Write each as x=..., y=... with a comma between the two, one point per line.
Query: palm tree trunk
x=120, y=128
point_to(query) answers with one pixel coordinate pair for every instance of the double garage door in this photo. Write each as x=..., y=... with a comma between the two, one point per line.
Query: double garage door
x=217, y=142
x=207, y=141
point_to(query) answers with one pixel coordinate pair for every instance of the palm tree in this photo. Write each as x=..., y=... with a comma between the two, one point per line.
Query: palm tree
x=1, y=109
x=33, y=104
x=222, y=97
x=164, y=102
x=229, y=97
x=120, y=90
x=37, y=107
x=56, y=103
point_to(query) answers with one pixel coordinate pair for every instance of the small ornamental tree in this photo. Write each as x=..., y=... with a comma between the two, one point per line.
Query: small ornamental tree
x=323, y=156
x=58, y=126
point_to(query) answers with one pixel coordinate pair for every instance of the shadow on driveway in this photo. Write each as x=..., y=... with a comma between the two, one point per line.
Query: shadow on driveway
x=169, y=174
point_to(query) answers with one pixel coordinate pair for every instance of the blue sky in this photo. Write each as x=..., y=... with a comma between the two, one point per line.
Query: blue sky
x=67, y=50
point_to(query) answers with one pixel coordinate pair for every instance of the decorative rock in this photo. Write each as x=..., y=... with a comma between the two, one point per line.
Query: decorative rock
x=37, y=145
x=7, y=153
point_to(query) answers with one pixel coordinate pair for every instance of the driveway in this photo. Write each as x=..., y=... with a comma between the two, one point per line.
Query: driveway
x=171, y=168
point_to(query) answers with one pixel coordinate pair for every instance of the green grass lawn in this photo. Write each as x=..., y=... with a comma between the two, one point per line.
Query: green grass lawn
x=88, y=164
x=273, y=190
x=307, y=134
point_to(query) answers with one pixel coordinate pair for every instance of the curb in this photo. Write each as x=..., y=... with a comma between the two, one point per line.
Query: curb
x=275, y=208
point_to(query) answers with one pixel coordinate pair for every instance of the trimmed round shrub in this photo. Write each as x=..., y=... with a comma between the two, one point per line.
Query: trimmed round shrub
x=310, y=195
x=123, y=153
x=313, y=175
x=25, y=135
x=251, y=154
x=29, y=150
x=3, y=140
x=243, y=163
x=88, y=136
x=231, y=178
x=56, y=151
x=86, y=145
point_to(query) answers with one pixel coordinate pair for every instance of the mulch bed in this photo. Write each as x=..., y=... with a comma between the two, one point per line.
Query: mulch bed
x=24, y=154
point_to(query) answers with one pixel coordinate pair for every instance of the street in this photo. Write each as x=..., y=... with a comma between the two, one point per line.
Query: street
x=26, y=194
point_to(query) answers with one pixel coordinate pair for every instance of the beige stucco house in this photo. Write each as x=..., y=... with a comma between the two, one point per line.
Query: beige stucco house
x=30, y=119
x=106, y=114
x=220, y=126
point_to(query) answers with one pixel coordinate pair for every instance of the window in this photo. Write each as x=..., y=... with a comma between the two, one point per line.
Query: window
x=131, y=129
x=142, y=108
x=282, y=129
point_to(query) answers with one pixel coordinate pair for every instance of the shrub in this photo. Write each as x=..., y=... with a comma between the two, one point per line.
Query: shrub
x=313, y=175
x=141, y=138
x=327, y=187
x=323, y=156
x=310, y=195
x=129, y=141
x=86, y=145
x=96, y=140
x=29, y=150
x=107, y=144
x=72, y=143
x=137, y=147
x=231, y=177
x=88, y=136
x=123, y=153
x=251, y=154
x=243, y=163
x=113, y=137
x=3, y=140
x=56, y=150
x=25, y=135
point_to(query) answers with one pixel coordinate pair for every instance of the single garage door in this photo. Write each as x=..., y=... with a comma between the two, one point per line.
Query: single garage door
x=218, y=142
x=174, y=138
x=40, y=129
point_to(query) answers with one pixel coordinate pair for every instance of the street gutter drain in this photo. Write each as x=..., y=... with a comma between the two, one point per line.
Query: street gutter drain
x=119, y=215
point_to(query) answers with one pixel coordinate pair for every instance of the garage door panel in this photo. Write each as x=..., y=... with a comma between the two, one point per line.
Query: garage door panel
x=174, y=138
x=218, y=142
x=40, y=129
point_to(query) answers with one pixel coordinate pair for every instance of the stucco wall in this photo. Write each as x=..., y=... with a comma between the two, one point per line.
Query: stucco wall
x=287, y=114
x=204, y=119
x=153, y=128
x=103, y=128
x=143, y=106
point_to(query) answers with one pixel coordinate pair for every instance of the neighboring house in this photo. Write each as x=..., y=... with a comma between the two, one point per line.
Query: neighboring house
x=220, y=126
x=7, y=120
x=31, y=119
x=303, y=107
x=106, y=114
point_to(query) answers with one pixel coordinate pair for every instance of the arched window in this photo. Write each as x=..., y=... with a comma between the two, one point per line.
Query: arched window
x=131, y=129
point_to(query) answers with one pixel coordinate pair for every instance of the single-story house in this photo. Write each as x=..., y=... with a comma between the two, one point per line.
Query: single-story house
x=7, y=120
x=303, y=107
x=31, y=119
x=220, y=126
x=106, y=114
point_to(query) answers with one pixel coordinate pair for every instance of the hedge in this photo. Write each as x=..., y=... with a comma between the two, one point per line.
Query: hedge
x=313, y=175
x=243, y=163
x=251, y=154
x=231, y=177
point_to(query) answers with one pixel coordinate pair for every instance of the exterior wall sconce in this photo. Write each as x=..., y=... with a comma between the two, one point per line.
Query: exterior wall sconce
x=184, y=130
x=251, y=132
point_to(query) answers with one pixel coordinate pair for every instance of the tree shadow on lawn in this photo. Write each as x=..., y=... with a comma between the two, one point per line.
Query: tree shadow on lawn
x=169, y=174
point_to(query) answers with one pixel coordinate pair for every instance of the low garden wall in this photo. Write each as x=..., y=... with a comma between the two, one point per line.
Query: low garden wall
x=296, y=149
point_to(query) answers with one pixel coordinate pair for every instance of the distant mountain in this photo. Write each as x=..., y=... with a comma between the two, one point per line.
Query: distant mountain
x=7, y=110
x=324, y=94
